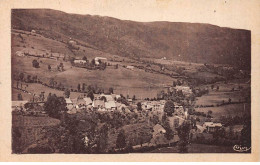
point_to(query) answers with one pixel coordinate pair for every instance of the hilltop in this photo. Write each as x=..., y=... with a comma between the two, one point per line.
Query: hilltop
x=191, y=42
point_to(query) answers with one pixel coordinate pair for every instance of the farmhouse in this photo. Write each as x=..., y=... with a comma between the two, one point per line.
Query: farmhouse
x=33, y=32
x=153, y=105
x=87, y=100
x=130, y=67
x=19, y=53
x=98, y=104
x=158, y=129
x=110, y=105
x=212, y=127
x=108, y=97
x=80, y=62
x=185, y=89
x=100, y=59
x=18, y=105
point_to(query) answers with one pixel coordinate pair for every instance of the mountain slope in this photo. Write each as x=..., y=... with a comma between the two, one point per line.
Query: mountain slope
x=191, y=42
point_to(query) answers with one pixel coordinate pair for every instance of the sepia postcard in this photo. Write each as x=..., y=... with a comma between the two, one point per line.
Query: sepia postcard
x=153, y=80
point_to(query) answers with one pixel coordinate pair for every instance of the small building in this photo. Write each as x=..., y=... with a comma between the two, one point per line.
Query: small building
x=110, y=105
x=98, y=104
x=80, y=62
x=18, y=105
x=108, y=97
x=19, y=53
x=185, y=89
x=88, y=101
x=33, y=32
x=68, y=101
x=100, y=59
x=130, y=67
x=211, y=127
x=158, y=130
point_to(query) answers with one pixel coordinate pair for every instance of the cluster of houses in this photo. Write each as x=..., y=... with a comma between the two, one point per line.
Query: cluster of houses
x=96, y=59
x=102, y=102
x=39, y=53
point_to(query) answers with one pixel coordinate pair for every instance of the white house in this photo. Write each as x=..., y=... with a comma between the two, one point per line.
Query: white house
x=102, y=59
x=80, y=61
x=212, y=127
x=130, y=67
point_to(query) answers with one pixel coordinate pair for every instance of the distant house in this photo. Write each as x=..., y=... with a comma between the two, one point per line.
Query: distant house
x=108, y=97
x=153, y=105
x=80, y=61
x=164, y=58
x=98, y=104
x=120, y=106
x=19, y=53
x=33, y=32
x=159, y=138
x=88, y=101
x=18, y=105
x=72, y=110
x=102, y=59
x=68, y=101
x=185, y=89
x=158, y=130
x=130, y=67
x=212, y=127
x=110, y=105
x=130, y=100
x=200, y=129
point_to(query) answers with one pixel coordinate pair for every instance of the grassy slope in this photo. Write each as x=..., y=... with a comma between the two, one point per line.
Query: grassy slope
x=123, y=80
x=179, y=41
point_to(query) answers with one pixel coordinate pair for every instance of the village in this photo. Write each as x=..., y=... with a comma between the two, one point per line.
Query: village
x=173, y=108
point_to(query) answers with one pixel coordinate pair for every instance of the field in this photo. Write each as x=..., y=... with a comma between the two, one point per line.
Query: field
x=224, y=93
x=226, y=110
x=119, y=79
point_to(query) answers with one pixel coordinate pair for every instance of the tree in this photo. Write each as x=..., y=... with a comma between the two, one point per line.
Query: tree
x=217, y=88
x=103, y=138
x=78, y=87
x=54, y=106
x=93, y=62
x=35, y=64
x=166, y=125
x=91, y=95
x=49, y=67
x=21, y=76
x=210, y=113
x=174, y=84
x=51, y=82
x=111, y=90
x=183, y=133
x=83, y=87
x=84, y=58
x=29, y=78
x=139, y=106
x=120, y=141
x=67, y=93
x=19, y=96
x=104, y=98
x=169, y=108
x=62, y=66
